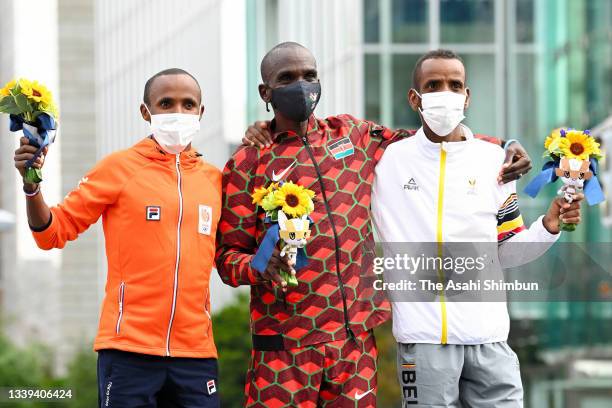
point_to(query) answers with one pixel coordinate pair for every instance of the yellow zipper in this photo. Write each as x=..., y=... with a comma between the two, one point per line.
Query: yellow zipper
x=439, y=240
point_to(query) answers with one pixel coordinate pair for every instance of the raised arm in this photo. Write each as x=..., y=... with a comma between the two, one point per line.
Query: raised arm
x=375, y=138
x=516, y=164
x=519, y=245
x=53, y=227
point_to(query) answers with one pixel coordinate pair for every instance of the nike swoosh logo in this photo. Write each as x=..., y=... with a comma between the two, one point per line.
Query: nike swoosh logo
x=278, y=177
x=359, y=395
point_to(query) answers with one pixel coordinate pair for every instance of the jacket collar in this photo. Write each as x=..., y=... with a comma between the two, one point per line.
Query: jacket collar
x=314, y=129
x=431, y=149
x=149, y=148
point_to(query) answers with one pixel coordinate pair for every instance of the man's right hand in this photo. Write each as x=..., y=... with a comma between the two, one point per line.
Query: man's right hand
x=275, y=266
x=25, y=153
x=258, y=134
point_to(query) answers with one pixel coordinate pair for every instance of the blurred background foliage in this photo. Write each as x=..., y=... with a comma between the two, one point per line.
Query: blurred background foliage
x=31, y=366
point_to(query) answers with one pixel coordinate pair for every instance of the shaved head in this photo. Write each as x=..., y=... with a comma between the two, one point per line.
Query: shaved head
x=282, y=55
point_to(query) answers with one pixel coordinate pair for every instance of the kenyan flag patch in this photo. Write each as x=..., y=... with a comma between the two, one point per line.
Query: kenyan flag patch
x=341, y=148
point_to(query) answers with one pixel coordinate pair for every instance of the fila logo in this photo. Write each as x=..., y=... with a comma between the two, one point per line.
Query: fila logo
x=411, y=185
x=153, y=213
x=211, y=387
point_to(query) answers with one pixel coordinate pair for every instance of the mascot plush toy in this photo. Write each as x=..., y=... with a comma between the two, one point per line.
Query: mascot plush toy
x=573, y=157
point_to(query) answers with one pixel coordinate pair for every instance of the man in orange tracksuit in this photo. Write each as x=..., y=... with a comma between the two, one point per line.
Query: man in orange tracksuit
x=160, y=204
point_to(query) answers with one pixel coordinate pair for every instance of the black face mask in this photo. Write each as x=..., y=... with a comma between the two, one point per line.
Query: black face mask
x=298, y=100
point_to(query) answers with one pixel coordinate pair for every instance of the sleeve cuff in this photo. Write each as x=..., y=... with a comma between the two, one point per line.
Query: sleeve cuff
x=542, y=232
x=44, y=227
x=45, y=237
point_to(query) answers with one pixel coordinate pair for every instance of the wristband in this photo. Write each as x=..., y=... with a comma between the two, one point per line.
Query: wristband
x=508, y=143
x=33, y=193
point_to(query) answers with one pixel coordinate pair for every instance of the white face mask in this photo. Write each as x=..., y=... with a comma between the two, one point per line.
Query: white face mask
x=442, y=111
x=174, y=131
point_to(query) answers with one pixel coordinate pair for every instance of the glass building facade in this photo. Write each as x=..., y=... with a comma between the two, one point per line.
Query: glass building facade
x=532, y=66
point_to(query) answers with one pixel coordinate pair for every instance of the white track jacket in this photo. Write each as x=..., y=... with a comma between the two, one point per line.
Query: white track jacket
x=427, y=192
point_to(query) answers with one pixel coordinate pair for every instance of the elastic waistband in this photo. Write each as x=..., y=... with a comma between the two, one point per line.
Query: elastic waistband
x=268, y=343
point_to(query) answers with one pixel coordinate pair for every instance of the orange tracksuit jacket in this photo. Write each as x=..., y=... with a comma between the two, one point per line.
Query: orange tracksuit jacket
x=160, y=218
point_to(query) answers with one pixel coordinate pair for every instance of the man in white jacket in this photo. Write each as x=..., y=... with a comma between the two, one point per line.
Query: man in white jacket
x=455, y=353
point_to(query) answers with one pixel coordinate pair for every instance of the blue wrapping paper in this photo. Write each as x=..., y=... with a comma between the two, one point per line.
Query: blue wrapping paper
x=264, y=253
x=45, y=126
x=592, y=189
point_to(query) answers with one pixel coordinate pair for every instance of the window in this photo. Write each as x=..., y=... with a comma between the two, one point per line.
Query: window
x=403, y=115
x=371, y=21
x=409, y=19
x=495, y=40
x=371, y=87
x=467, y=21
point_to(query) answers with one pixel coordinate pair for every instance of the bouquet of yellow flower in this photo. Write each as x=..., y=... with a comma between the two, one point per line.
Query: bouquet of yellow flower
x=573, y=156
x=31, y=109
x=287, y=206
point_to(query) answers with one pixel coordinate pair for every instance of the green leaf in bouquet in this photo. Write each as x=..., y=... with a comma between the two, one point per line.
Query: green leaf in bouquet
x=22, y=102
x=567, y=227
x=289, y=278
x=274, y=216
x=16, y=89
x=9, y=106
x=33, y=175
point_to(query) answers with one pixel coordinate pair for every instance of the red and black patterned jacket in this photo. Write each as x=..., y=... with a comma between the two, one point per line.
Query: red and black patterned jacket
x=335, y=297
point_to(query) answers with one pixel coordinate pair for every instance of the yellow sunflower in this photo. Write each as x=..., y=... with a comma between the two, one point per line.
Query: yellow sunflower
x=554, y=135
x=261, y=192
x=268, y=203
x=578, y=145
x=50, y=109
x=6, y=91
x=295, y=200
x=36, y=92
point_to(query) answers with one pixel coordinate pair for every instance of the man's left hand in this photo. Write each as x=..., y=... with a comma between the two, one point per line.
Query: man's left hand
x=561, y=210
x=516, y=164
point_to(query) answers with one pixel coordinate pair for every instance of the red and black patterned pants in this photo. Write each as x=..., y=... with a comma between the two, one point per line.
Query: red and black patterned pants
x=339, y=374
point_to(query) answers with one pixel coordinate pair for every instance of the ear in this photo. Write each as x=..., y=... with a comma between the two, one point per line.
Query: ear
x=413, y=99
x=145, y=113
x=265, y=93
x=559, y=172
x=467, y=99
x=202, y=109
x=305, y=222
x=282, y=219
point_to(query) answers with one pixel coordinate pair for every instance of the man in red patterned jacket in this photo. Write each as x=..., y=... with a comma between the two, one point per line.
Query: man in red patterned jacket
x=312, y=344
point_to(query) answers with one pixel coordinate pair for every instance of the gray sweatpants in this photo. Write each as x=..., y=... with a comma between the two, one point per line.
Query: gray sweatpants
x=458, y=376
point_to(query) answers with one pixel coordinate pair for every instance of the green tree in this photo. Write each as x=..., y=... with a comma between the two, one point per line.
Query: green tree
x=26, y=368
x=388, y=387
x=82, y=380
x=233, y=340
